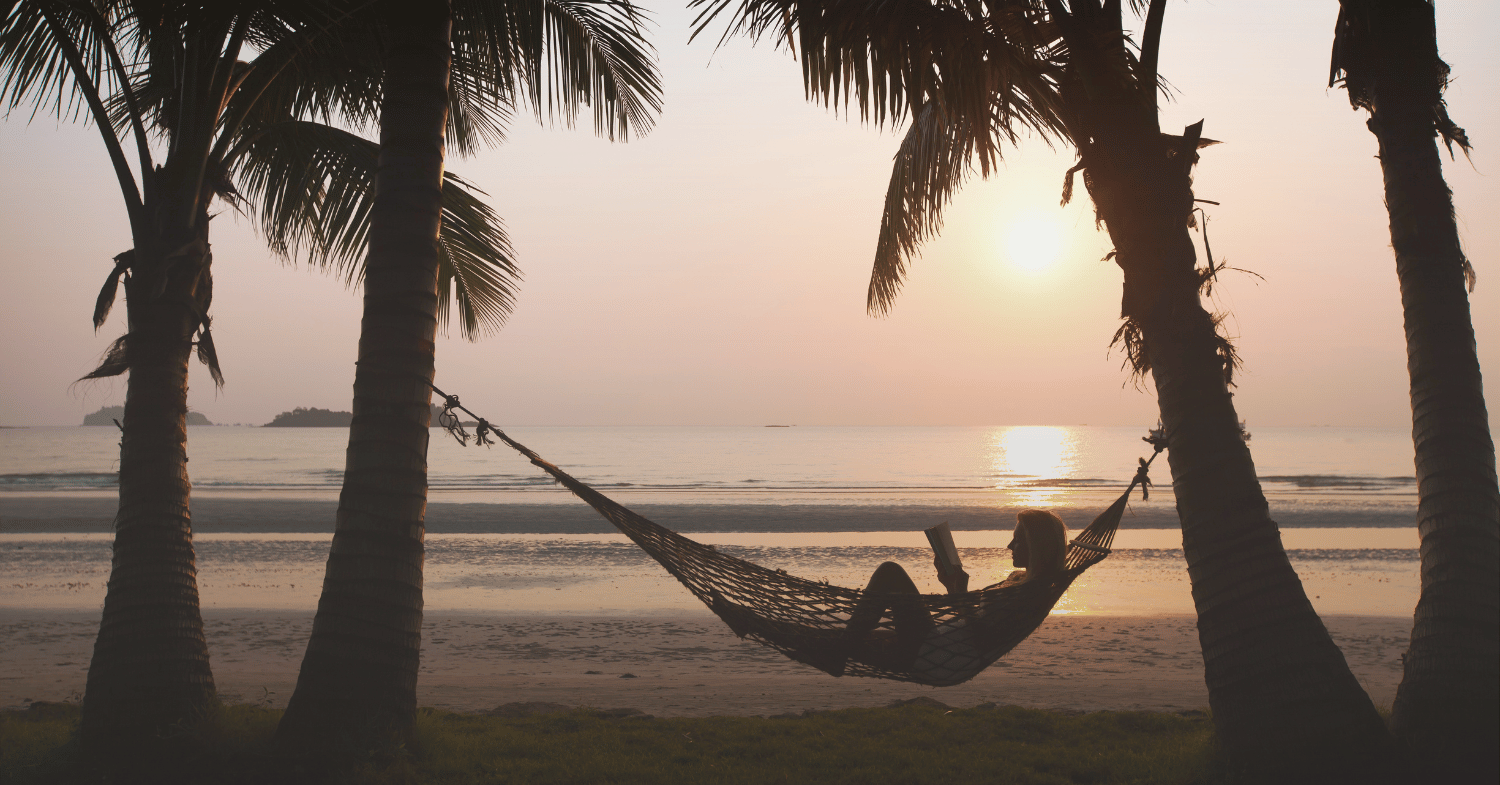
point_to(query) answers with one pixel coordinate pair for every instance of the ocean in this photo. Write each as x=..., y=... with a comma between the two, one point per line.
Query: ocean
x=828, y=503
x=985, y=466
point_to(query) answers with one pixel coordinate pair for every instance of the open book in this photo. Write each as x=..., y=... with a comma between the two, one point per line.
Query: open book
x=950, y=566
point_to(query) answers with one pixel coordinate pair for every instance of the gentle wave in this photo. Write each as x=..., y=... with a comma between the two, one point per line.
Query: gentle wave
x=332, y=479
x=1340, y=482
x=1065, y=482
x=59, y=481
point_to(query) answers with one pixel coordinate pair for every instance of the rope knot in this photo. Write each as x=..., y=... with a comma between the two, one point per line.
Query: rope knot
x=1143, y=479
x=1158, y=439
x=448, y=420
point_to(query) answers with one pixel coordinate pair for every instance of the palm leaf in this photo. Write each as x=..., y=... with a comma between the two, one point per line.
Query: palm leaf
x=312, y=187
x=934, y=159
x=893, y=56
x=34, y=64
x=324, y=67
x=58, y=52
x=563, y=55
x=476, y=265
x=969, y=76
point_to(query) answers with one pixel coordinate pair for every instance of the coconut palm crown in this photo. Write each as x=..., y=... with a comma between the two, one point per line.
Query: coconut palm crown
x=972, y=75
x=252, y=102
x=356, y=690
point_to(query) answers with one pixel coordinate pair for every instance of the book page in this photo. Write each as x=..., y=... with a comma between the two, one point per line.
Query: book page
x=941, y=539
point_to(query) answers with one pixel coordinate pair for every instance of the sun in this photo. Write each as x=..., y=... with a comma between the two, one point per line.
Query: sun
x=1034, y=241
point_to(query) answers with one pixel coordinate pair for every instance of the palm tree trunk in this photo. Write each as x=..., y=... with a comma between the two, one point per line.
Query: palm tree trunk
x=150, y=674
x=1449, y=699
x=1447, y=705
x=358, y=679
x=1283, y=698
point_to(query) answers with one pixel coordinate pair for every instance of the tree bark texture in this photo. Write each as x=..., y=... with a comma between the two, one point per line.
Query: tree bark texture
x=1284, y=700
x=1448, y=704
x=358, y=679
x=149, y=677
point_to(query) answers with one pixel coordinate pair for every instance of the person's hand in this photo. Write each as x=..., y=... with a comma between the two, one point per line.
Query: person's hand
x=956, y=582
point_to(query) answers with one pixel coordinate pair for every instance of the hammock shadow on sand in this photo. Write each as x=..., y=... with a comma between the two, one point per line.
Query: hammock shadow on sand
x=807, y=620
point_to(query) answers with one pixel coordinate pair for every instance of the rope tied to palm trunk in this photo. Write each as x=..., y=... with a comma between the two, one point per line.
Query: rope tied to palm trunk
x=809, y=621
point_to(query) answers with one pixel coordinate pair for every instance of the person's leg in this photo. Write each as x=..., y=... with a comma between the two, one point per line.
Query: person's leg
x=890, y=578
x=890, y=587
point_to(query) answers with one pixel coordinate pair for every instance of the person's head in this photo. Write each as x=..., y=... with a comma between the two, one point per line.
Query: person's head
x=1040, y=545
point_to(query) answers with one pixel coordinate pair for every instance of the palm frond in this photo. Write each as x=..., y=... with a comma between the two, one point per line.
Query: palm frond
x=312, y=187
x=934, y=159
x=890, y=57
x=33, y=64
x=969, y=76
x=476, y=264
x=60, y=53
x=323, y=67
x=476, y=119
x=563, y=55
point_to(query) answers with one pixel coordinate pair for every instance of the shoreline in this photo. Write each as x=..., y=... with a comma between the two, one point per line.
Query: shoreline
x=687, y=665
x=68, y=514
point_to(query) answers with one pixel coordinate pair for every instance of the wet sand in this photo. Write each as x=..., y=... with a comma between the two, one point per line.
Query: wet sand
x=686, y=664
x=662, y=653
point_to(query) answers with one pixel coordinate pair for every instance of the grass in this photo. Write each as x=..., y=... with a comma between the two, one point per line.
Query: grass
x=906, y=744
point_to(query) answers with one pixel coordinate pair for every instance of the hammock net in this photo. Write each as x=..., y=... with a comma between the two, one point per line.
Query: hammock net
x=934, y=639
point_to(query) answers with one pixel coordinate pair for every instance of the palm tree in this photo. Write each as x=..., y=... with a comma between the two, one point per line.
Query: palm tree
x=357, y=686
x=1449, y=699
x=972, y=75
x=170, y=76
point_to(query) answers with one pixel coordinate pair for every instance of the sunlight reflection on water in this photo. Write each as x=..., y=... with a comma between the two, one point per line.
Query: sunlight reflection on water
x=1025, y=454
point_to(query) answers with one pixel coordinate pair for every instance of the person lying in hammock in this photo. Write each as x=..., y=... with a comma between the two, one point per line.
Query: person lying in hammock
x=944, y=652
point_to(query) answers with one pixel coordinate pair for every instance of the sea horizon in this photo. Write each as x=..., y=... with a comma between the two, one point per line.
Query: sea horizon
x=858, y=478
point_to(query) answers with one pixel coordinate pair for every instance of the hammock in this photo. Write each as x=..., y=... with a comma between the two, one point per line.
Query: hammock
x=807, y=620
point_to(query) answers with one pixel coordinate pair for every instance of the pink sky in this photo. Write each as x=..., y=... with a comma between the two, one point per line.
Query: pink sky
x=714, y=271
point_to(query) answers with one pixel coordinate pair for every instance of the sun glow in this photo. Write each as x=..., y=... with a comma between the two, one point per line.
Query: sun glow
x=1027, y=456
x=1034, y=241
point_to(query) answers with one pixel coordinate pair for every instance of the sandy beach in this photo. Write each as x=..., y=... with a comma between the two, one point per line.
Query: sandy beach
x=591, y=621
x=688, y=664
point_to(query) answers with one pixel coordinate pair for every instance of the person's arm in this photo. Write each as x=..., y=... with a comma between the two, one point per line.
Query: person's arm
x=956, y=581
x=946, y=560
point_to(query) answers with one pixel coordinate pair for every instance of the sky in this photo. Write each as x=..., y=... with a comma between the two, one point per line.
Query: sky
x=714, y=271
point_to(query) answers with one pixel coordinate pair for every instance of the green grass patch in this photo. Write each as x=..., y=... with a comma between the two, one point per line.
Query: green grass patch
x=907, y=744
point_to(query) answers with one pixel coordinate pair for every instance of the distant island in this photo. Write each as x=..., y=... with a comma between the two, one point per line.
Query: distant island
x=311, y=418
x=324, y=418
x=108, y=415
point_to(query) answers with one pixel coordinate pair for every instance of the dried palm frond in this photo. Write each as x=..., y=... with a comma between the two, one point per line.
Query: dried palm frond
x=208, y=355
x=106, y=299
x=1381, y=46
x=116, y=360
x=1132, y=341
x=1229, y=356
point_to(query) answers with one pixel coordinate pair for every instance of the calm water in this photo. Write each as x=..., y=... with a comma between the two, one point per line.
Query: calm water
x=1030, y=465
x=1346, y=570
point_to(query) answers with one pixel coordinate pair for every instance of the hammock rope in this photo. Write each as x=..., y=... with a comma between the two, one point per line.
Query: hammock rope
x=934, y=639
